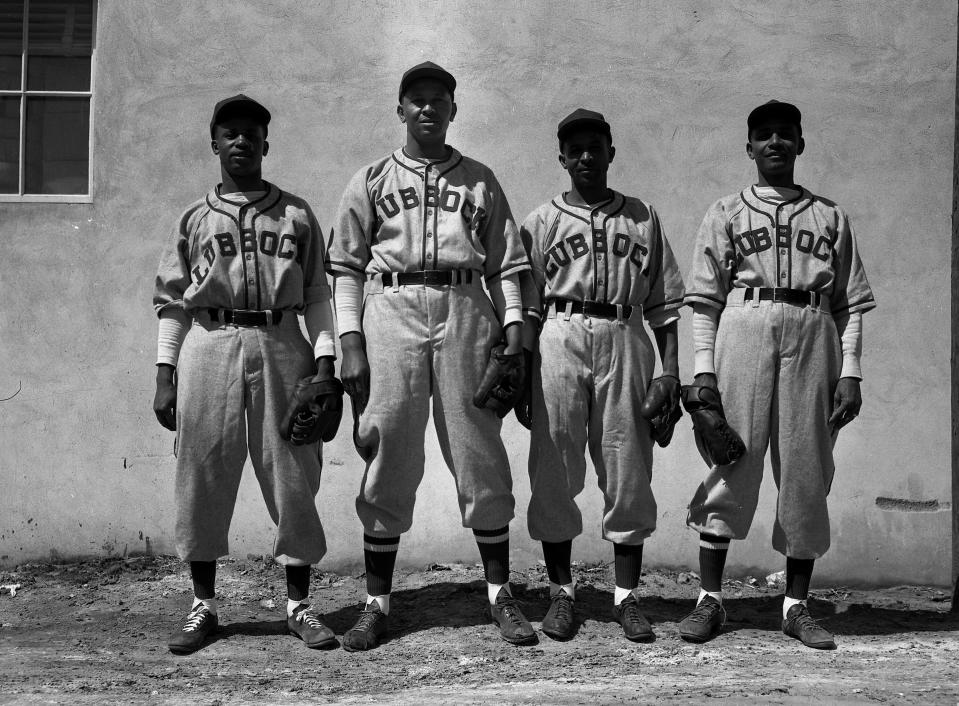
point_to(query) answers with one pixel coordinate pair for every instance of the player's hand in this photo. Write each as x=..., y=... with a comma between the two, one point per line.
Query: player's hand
x=164, y=401
x=524, y=408
x=846, y=401
x=707, y=380
x=355, y=371
x=326, y=371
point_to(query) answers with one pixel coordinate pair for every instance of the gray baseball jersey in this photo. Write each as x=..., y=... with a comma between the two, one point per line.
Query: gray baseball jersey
x=806, y=243
x=592, y=373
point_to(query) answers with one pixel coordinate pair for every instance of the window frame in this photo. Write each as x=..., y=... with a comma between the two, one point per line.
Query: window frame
x=23, y=94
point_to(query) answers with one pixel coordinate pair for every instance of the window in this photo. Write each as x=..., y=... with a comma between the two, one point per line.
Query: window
x=46, y=88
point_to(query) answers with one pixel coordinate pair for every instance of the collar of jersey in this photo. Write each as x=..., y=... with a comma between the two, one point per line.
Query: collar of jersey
x=420, y=164
x=756, y=201
x=612, y=203
x=215, y=200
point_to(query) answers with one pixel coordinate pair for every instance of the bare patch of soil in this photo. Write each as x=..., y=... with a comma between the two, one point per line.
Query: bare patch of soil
x=95, y=632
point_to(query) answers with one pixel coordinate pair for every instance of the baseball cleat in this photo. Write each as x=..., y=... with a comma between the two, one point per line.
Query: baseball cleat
x=635, y=625
x=559, y=621
x=513, y=625
x=801, y=625
x=705, y=622
x=200, y=623
x=369, y=630
x=307, y=626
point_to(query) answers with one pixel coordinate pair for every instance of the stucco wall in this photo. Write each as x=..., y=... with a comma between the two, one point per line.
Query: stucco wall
x=86, y=470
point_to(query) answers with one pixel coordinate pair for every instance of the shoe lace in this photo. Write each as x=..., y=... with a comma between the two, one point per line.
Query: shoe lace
x=806, y=622
x=564, y=607
x=704, y=612
x=367, y=619
x=511, y=611
x=310, y=618
x=196, y=618
x=630, y=610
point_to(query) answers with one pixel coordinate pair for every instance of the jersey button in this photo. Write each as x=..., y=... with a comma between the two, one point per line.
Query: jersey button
x=429, y=256
x=429, y=234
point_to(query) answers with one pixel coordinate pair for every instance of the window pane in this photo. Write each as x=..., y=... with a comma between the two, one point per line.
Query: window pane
x=59, y=45
x=57, y=145
x=9, y=145
x=11, y=43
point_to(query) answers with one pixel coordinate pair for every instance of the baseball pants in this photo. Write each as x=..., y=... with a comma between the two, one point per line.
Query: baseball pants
x=777, y=366
x=587, y=390
x=233, y=387
x=423, y=342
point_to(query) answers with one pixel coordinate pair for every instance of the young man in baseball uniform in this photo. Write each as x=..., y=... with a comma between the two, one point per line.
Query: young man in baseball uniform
x=600, y=266
x=243, y=261
x=416, y=233
x=778, y=292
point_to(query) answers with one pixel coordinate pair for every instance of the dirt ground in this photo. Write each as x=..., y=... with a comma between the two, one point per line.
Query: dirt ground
x=95, y=632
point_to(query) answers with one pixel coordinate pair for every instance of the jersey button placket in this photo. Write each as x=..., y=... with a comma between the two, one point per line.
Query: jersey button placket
x=599, y=232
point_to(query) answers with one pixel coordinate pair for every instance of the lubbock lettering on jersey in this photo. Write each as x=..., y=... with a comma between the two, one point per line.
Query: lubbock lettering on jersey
x=806, y=243
x=254, y=255
x=614, y=253
x=402, y=214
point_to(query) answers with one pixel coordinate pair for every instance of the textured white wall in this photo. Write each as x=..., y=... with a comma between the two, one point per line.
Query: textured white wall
x=86, y=470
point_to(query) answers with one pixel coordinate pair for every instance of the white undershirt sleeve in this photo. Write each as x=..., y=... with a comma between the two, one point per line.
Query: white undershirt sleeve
x=171, y=330
x=850, y=334
x=318, y=318
x=348, y=300
x=507, y=299
x=705, y=323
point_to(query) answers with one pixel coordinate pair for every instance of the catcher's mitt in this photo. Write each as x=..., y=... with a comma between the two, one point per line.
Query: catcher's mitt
x=502, y=383
x=314, y=411
x=718, y=443
x=661, y=408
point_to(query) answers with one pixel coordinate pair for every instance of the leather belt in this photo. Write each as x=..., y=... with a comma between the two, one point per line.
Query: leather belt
x=799, y=297
x=597, y=310
x=246, y=317
x=427, y=277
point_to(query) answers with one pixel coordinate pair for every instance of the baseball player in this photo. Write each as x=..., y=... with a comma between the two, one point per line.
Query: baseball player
x=243, y=261
x=600, y=266
x=778, y=292
x=416, y=234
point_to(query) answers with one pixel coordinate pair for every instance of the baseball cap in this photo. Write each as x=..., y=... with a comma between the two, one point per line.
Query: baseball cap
x=774, y=109
x=427, y=70
x=583, y=118
x=239, y=105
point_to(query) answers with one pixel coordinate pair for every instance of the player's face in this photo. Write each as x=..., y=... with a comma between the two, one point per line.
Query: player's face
x=774, y=147
x=427, y=111
x=241, y=144
x=586, y=155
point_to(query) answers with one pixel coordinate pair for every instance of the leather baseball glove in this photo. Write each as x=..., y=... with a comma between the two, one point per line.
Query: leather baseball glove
x=503, y=382
x=661, y=408
x=718, y=443
x=524, y=407
x=314, y=411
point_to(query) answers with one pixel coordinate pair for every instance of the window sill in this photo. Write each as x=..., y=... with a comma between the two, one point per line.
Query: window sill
x=46, y=198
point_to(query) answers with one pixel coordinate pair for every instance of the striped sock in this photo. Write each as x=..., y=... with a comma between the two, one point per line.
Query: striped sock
x=712, y=562
x=379, y=554
x=493, y=547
